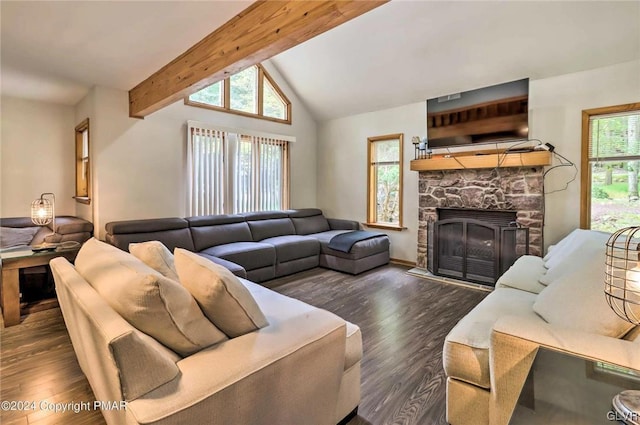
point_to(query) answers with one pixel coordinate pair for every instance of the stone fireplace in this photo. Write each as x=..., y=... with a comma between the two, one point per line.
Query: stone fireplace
x=518, y=190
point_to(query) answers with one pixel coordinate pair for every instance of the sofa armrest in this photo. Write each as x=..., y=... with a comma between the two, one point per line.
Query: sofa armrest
x=515, y=342
x=287, y=372
x=578, y=343
x=120, y=362
x=340, y=224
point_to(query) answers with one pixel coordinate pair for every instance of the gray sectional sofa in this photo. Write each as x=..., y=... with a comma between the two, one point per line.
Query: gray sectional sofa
x=259, y=246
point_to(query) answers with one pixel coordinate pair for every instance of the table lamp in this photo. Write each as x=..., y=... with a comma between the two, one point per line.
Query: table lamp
x=622, y=291
x=42, y=213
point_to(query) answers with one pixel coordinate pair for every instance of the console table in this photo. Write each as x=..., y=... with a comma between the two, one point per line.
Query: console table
x=12, y=263
x=566, y=388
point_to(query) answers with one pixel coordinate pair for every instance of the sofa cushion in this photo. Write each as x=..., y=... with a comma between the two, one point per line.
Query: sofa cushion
x=234, y=268
x=264, y=229
x=359, y=250
x=293, y=247
x=250, y=255
x=157, y=256
x=16, y=236
x=524, y=275
x=68, y=224
x=571, y=243
x=223, y=299
x=466, y=347
x=576, y=301
x=278, y=308
x=589, y=251
x=172, y=232
x=220, y=234
x=308, y=225
x=158, y=306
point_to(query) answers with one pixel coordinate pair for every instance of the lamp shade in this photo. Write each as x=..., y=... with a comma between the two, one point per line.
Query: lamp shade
x=622, y=274
x=43, y=210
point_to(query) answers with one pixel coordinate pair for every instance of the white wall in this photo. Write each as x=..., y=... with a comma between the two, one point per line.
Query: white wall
x=138, y=165
x=342, y=169
x=37, y=152
x=556, y=106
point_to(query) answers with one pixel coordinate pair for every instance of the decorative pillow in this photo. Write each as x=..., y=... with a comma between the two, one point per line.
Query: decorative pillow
x=157, y=306
x=16, y=236
x=524, y=274
x=157, y=256
x=577, y=301
x=221, y=296
x=590, y=250
x=572, y=242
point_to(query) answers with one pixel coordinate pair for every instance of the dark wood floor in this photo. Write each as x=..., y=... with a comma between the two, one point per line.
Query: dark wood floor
x=403, y=319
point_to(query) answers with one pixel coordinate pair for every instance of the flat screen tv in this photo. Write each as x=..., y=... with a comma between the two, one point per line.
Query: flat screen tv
x=488, y=115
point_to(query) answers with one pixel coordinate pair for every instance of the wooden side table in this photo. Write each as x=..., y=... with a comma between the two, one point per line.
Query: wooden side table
x=10, y=283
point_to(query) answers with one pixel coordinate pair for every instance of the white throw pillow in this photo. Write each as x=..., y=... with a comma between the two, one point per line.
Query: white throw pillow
x=572, y=242
x=524, y=274
x=221, y=296
x=157, y=256
x=577, y=301
x=16, y=236
x=589, y=251
x=157, y=306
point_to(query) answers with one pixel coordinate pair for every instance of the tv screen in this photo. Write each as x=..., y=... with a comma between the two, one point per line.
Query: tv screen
x=492, y=114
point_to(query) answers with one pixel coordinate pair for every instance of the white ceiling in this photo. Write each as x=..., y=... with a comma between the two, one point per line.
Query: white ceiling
x=401, y=52
x=408, y=51
x=57, y=50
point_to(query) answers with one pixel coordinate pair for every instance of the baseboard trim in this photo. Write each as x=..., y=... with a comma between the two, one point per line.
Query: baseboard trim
x=425, y=274
x=402, y=262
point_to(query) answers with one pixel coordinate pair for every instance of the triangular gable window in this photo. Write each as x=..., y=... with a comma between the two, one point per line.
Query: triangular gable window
x=250, y=92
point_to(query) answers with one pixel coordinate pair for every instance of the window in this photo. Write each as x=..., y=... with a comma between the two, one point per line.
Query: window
x=232, y=171
x=251, y=92
x=83, y=169
x=384, y=200
x=610, y=167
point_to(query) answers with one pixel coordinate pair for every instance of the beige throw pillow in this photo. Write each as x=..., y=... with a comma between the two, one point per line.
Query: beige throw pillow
x=157, y=256
x=221, y=296
x=155, y=305
x=577, y=301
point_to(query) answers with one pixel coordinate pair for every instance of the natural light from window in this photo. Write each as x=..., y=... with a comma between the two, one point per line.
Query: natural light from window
x=385, y=181
x=251, y=92
x=244, y=90
x=614, y=169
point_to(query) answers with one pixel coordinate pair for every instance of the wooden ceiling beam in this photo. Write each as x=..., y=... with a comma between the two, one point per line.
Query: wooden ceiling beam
x=259, y=32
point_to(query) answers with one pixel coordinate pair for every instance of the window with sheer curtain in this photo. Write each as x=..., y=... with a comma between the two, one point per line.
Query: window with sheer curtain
x=233, y=171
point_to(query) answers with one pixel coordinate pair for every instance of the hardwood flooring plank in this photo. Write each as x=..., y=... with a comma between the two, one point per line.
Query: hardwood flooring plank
x=404, y=320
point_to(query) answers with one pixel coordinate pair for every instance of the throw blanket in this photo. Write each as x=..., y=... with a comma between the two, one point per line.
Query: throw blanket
x=344, y=241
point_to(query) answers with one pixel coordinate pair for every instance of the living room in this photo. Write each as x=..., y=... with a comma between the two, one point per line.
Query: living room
x=338, y=100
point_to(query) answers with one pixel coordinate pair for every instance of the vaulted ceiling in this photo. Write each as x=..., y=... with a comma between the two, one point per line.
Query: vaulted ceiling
x=401, y=52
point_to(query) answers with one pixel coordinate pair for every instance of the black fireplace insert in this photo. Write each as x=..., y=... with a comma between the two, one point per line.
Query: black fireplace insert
x=476, y=245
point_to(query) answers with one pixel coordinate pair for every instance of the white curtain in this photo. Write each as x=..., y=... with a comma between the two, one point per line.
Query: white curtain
x=206, y=176
x=234, y=172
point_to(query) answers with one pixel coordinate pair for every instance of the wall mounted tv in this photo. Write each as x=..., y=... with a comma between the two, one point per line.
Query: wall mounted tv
x=488, y=115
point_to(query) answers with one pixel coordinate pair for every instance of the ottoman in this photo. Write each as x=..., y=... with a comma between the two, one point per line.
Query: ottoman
x=364, y=255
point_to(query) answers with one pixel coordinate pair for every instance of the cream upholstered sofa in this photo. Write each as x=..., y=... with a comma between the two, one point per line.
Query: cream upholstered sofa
x=302, y=367
x=555, y=302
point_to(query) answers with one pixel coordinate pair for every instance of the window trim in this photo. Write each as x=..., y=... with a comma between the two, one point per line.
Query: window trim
x=226, y=100
x=371, y=198
x=585, y=173
x=79, y=130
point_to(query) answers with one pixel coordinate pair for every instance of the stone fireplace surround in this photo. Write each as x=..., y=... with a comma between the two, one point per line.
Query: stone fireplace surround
x=516, y=188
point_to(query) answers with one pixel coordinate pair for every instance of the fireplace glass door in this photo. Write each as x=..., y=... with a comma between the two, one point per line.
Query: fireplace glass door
x=467, y=249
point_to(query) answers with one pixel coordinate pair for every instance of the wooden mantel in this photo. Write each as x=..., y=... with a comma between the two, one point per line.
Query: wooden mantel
x=483, y=159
